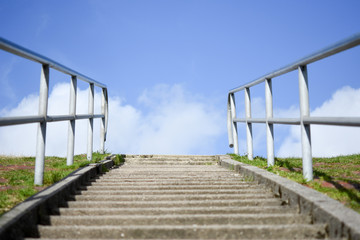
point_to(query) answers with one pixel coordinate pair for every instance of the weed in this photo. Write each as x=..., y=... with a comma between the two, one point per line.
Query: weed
x=248, y=178
x=119, y=159
x=104, y=169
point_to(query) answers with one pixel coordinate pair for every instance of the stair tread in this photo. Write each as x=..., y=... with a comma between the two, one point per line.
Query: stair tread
x=177, y=210
x=229, y=231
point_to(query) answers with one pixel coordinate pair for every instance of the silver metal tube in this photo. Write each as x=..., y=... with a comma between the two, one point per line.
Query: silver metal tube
x=305, y=128
x=269, y=126
x=59, y=118
x=230, y=123
x=289, y=121
x=26, y=53
x=252, y=120
x=249, y=138
x=7, y=121
x=71, y=127
x=234, y=124
x=106, y=111
x=323, y=53
x=334, y=121
x=102, y=125
x=87, y=116
x=90, y=122
x=41, y=132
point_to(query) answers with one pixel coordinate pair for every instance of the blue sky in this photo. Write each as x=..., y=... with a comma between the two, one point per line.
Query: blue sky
x=191, y=52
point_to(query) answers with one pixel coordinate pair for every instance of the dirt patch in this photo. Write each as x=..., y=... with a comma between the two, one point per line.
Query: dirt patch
x=15, y=167
x=319, y=164
x=284, y=169
x=4, y=188
x=295, y=169
x=3, y=180
x=38, y=188
x=338, y=183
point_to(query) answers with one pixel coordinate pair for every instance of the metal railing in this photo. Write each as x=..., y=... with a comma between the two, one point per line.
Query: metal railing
x=43, y=118
x=305, y=120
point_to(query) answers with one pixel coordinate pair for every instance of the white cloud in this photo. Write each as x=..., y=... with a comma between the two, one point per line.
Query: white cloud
x=175, y=122
x=329, y=140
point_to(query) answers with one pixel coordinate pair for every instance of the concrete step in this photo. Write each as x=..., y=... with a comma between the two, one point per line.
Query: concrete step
x=171, y=156
x=246, y=188
x=184, y=203
x=144, y=182
x=189, y=192
x=175, y=210
x=168, y=197
x=161, y=182
x=169, y=179
x=183, y=219
x=174, y=158
x=171, y=160
x=185, y=160
x=228, y=231
x=152, y=162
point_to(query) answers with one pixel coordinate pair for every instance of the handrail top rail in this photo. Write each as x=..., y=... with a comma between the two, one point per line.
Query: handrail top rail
x=26, y=53
x=342, y=45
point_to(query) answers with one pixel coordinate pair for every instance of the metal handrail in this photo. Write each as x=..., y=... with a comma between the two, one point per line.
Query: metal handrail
x=42, y=118
x=16, y=49
x=305, y=120
x=323, y=53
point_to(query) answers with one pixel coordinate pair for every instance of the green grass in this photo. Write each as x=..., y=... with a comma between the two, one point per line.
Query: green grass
x=337, y=177
x=17, y=176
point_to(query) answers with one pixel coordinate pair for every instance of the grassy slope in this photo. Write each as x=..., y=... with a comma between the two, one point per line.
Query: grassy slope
x=17, y=176
x=337, y=177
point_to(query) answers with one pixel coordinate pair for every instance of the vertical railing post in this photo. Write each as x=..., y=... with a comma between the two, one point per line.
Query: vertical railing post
x=269, y=126
x=234, y=124
x=249, y=138
x=305, y=128
x=103, y=123
x=71, y=128
x=41, y=132
x=91, y=122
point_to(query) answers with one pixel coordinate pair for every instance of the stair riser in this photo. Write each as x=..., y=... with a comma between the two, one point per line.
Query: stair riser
x=170, y=160
x=179, y=220
x=169, y=180
x=108, y=204
x=145, y=183
x=286, y=232
x=172, y=210
x=170, y=197
x=244, y=188
x=170, y=157
x=254, y=192
x=171, y=163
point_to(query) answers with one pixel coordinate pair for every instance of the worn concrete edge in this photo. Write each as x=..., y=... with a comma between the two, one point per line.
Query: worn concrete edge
x=342, y=222
x=21, y=220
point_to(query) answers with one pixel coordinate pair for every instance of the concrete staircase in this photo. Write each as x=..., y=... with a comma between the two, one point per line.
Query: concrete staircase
x=176, y=197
